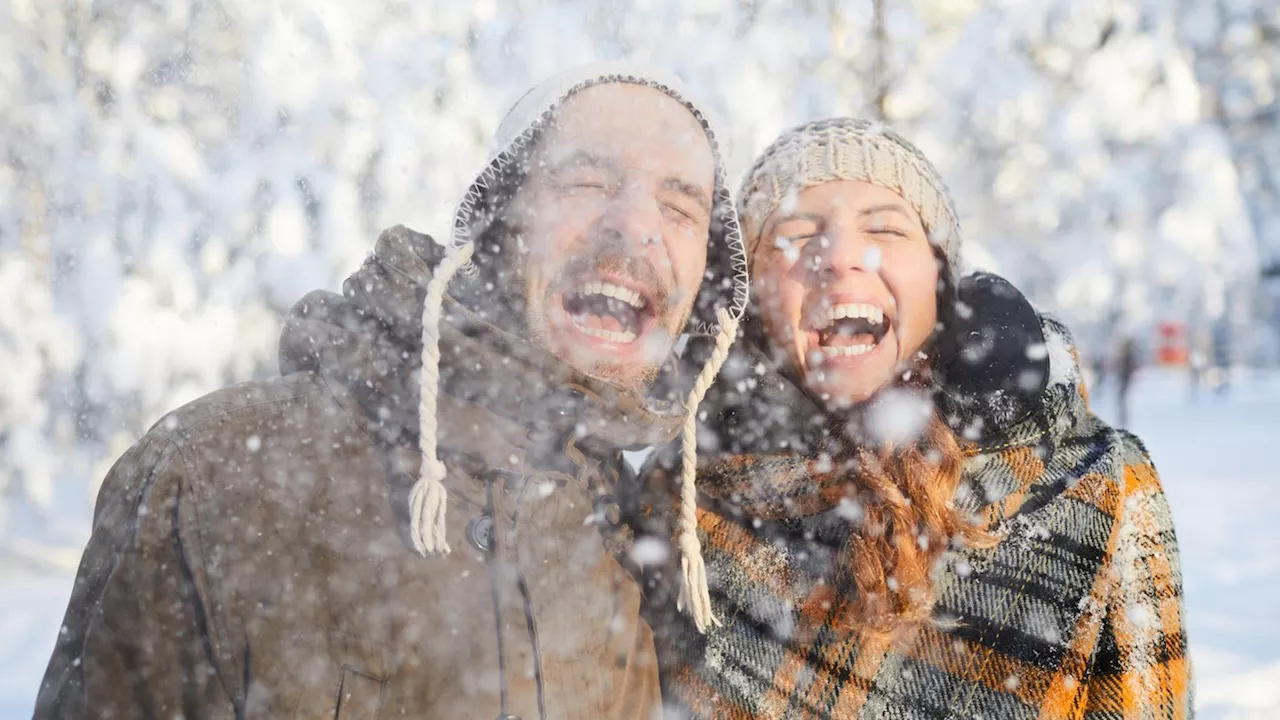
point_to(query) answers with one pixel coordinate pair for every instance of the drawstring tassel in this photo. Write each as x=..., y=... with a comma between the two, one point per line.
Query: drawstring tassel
x=428, y=500
x=427, y=506
x=695, y=595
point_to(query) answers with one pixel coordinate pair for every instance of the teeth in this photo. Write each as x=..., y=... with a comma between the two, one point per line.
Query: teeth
x=846, y=350
x=607, y=289
x=623, y=337
x=854, y=310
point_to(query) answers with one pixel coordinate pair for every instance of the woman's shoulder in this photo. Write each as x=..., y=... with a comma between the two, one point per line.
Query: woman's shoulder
x=1082, y=480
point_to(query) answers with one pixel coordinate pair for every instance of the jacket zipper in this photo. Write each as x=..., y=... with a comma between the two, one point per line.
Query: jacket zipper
x=490, y=555
x=528, y=600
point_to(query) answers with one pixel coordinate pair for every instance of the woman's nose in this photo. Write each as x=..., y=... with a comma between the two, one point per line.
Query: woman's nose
x=842, y=251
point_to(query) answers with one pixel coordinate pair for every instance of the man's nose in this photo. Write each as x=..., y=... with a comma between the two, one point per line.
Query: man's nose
x=633, y=217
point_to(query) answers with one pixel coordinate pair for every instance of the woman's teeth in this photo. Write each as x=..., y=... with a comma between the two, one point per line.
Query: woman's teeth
x=871, y=313
x=846, y=350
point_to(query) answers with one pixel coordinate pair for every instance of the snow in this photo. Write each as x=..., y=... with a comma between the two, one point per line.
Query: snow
x=1212, y=454
x=1224, y=490
x=31, y=609
x=898, y=417
x=649, y=551
x=162, y=203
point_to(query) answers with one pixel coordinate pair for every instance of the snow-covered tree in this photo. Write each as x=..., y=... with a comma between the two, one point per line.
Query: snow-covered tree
x=173, y=175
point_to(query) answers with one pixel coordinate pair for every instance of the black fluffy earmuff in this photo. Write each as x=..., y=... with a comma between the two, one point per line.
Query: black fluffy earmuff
x=992, y=361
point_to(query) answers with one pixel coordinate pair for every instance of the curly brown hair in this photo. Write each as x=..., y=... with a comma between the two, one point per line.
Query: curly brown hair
x=884, y=577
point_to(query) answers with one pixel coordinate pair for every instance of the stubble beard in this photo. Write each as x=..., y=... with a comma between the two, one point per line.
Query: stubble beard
x=537, y=301
x=629, y=377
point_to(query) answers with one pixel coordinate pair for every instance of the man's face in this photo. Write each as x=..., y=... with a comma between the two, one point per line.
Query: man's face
x=613, y=218
x=846, y=282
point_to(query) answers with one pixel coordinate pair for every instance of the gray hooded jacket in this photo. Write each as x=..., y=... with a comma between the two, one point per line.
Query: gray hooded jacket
x=251, y=556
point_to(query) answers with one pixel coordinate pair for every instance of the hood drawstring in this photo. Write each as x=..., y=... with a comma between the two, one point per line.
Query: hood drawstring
x=694, y=592
x=428, y=498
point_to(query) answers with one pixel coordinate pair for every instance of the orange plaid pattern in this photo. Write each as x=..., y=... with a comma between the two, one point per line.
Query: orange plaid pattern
x=1117, y=651
x=1075, y=613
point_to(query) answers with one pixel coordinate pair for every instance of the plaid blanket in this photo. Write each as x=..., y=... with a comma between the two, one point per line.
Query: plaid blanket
x=1076, y=612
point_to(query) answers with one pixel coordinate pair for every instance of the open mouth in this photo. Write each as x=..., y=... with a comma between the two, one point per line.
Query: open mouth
x=852, y=329
x=608, y=311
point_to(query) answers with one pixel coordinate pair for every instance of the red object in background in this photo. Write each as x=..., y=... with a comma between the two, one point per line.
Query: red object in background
x=1171, y=344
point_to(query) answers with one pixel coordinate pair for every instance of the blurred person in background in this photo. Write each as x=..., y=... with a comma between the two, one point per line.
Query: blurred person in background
x=419, y=517
x=1126, y=368
x=905, y=506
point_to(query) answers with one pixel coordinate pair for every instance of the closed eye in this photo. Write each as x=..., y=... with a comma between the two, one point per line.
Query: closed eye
x=684, y=214
x=581, y=178
x=888, y=231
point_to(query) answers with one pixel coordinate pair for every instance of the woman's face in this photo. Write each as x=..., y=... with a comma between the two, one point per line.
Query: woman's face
x=846, y=282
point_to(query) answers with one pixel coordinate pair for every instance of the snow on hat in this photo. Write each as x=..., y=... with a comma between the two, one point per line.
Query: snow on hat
x=848, y=149
x=726, y=288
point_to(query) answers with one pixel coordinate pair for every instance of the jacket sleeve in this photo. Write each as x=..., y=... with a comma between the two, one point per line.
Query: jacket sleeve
x=135, y=641
x=1141, y=668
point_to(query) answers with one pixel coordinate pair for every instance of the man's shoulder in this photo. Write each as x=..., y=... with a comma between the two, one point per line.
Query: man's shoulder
x=266, y=453
x=279, y=395
x=243, y=431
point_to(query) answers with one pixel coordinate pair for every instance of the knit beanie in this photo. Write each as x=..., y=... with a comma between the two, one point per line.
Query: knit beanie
x=848, y=149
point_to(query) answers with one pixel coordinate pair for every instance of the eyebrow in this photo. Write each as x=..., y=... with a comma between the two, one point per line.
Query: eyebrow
x=693, y=191
x=582, y=158
x=890, y=207
x=815, y=218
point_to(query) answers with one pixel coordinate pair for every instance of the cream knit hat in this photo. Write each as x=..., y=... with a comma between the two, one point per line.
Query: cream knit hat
x=848, y=149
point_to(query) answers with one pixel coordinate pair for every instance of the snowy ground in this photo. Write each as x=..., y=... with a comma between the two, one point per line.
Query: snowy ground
x=1213, y=452
x=1217, y=456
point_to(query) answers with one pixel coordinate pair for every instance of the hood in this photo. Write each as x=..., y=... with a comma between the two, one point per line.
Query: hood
x=1060, y=403
x=1042, y=453
x=367, y=337
x=725, y=284
x=713, y=324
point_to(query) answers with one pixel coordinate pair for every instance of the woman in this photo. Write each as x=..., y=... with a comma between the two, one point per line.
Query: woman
x=905, y=505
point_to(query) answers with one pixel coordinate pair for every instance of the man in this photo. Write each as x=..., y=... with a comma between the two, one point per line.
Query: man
x=254, y=554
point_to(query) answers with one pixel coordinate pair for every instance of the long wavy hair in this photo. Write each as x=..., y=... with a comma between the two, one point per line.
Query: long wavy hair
x=883, y=584
x=884, y=574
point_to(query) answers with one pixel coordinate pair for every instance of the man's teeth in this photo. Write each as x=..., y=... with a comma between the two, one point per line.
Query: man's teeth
x=624, y=336
x=846, y=350
x=855, y=310
x=607, y=289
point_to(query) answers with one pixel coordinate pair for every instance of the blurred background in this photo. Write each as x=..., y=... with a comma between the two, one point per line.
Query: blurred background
x=174, y=174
